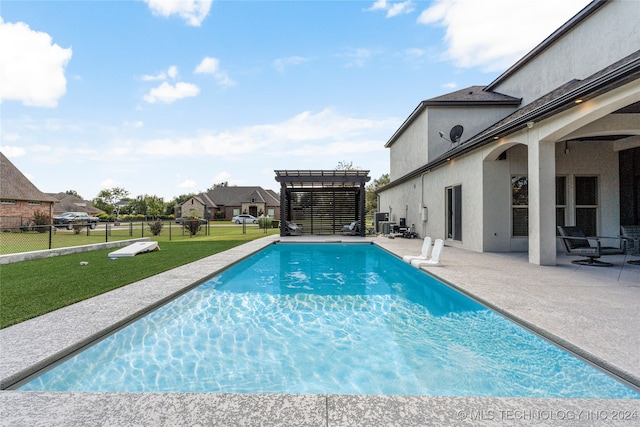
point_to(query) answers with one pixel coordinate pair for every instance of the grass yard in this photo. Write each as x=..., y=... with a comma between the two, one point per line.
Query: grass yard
x=32, y=288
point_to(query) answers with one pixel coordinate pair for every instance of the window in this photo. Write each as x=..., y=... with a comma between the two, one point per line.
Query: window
x=33, y=203
x=561, y=200
x=454, y=212
x=519, y=206
x=236, y=212
x=7, y=202
x=587, y=204
x=271, y=212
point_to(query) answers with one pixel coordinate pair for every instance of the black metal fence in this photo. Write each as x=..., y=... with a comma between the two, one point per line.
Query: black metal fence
x=27, y=236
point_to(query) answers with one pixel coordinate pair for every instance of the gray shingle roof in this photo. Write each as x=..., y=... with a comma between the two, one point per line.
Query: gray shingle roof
x=15, y=186
x=236, y=196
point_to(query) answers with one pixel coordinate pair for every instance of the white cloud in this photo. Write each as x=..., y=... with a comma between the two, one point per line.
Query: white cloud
x=358, y=57
x=402, y=8
x=450, y=85
x=168, y=93
x=393, y=9
x=212, y=66
x=493, y=34
x=13, y=151
x=172, y=73
x=31, y=65
x=281, y=63
x=312, y=134
x=192, y=12
x=187, y=183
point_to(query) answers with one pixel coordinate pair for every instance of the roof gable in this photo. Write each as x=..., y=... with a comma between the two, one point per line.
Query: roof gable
x=15, y=186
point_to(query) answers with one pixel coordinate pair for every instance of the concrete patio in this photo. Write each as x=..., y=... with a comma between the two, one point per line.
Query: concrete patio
x=594, y=312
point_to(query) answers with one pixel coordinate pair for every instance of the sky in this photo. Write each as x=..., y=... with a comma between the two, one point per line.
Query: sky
x=169, y=97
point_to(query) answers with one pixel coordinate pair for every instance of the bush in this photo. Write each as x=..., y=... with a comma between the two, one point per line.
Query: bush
x=40, y=220
x=192, y=224
x=78, y=226
x=219, y=216
x=266, y=222
x=155, y=227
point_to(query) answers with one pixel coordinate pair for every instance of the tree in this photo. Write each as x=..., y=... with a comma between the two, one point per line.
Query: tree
x=109, y=198
x=218, y=185
x=147, y=205
x=73, y=193
x=371, y=204
x=343, y=165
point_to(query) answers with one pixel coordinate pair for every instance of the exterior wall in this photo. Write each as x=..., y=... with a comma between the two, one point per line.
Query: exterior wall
x=192, y=207
x=608, y=35
x=421, y=142
x=430, y=190
x=473, y=119
x=14, y=215
x=409, y=152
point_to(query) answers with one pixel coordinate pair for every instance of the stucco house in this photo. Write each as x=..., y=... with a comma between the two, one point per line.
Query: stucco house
x=19, y=198
x=554, y=140
x=231, y=201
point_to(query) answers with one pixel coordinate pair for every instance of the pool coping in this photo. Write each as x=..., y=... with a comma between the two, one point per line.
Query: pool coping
x=38, y=342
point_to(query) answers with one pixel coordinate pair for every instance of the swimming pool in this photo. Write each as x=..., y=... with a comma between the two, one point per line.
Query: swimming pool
x=328, y=318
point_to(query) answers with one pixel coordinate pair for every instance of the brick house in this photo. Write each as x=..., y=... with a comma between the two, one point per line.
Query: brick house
x=231, y=201
x=19, y=198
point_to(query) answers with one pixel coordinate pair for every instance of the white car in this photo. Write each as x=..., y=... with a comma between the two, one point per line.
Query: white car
x=239, y=219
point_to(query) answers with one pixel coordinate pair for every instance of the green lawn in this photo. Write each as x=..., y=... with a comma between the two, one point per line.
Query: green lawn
x=32, y=288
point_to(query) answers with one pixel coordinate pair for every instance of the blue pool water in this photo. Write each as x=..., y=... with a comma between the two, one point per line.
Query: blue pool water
x=328, y=318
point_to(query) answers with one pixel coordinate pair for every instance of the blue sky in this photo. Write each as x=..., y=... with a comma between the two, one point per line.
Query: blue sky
x=168, y=97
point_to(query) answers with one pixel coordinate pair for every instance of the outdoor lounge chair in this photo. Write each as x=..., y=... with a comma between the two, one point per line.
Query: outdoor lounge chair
x=438, y=247
x=352, y=228
x=576, y=243
x=631, y=234
x=424, y=253
x=292, y=228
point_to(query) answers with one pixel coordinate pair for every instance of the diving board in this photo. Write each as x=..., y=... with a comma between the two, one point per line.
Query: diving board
x=134, y=249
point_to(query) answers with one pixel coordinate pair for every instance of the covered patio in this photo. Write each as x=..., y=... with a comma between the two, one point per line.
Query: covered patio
x=322, y=201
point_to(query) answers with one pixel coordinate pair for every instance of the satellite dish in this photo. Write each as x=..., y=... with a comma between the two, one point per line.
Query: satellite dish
x=456, y=133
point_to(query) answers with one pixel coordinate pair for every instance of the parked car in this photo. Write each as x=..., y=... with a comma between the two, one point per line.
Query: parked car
x=239, y=219
x=67, y=219
x=182, y=219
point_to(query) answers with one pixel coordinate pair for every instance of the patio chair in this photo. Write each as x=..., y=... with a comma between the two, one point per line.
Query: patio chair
x=631, y=234
x=576, y=243
x=438, y=247
x=424, y=253
x=292, y=228
x=352, y=228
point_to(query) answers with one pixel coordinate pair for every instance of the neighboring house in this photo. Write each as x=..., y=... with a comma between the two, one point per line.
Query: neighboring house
x=19, y=198
x=554, y=140
x=231, y=201
x=70, y=203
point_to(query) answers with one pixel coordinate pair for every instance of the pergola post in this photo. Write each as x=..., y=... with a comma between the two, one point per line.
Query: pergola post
x=284, y=212
x=363, y=225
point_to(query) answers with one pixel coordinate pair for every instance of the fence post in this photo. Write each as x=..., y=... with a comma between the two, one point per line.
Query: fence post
x=170, y=230
x=106, y=231
x=142, y=225
x=131, y=229
x=50, y=233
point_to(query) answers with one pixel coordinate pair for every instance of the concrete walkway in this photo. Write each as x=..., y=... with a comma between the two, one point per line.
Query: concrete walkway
x=592, y=311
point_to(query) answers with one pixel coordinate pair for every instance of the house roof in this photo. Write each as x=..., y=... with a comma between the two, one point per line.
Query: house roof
x=70, y=203
x=15, y=186
x=236, y=196
x=472, y=96
x=554, y=102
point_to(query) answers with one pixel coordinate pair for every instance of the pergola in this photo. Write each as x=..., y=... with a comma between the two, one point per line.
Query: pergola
x=322, y=201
